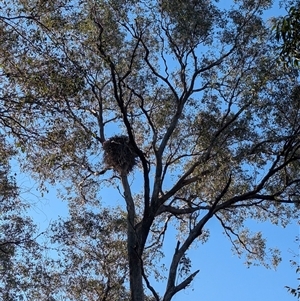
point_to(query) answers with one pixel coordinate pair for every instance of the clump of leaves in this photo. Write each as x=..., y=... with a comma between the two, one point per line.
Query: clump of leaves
x=286, y=31
x=119, y=154
x=295, y=291
x=185, y=266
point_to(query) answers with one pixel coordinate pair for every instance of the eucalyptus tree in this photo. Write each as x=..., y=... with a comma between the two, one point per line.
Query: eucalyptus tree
x=286, y=32
x=17, y=231
x=84, y=259
x=182, y=104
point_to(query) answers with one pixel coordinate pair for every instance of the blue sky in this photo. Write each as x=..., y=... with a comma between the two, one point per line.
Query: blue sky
x=222, y=276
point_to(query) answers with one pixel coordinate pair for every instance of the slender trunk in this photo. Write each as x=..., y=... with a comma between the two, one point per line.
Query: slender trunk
x=135, y=269
x=133, y=246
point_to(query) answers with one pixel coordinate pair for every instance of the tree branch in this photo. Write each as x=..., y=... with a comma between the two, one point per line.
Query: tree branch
x=150, y=287
x=179, y=211
x=169, y=294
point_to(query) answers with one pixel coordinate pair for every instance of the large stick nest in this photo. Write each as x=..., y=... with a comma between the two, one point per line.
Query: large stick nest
x=119, y=154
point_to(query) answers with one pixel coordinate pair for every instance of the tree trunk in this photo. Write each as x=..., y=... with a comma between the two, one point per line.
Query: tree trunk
x=133, y=246
x=135, y=271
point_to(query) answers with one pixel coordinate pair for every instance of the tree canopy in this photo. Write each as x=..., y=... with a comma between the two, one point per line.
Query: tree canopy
x=17, y=230
x=287, y=29
x=181, y=106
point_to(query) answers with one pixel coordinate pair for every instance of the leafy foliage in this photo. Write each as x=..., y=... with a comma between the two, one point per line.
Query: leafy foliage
x=295, y=291
x=211, y=125
x=287, y=29
x=16, y=229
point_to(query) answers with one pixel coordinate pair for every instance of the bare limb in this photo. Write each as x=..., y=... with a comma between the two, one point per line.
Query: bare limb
x=150, y=287
x=169, y=294
x=179, y=211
